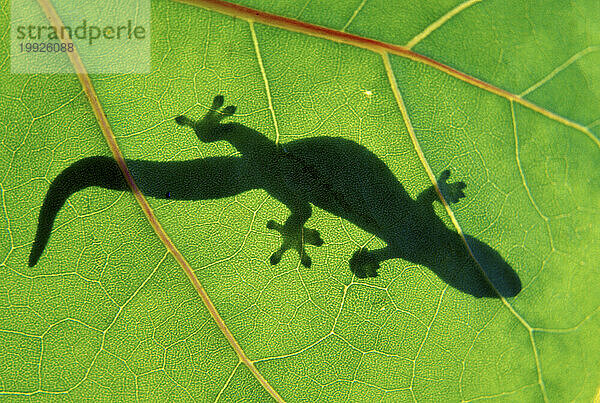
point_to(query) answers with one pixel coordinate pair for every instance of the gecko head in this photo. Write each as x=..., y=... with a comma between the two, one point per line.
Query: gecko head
x=499, y=273
x=478, y=269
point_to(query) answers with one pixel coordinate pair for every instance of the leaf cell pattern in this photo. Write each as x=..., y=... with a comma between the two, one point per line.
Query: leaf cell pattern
x=111, y=314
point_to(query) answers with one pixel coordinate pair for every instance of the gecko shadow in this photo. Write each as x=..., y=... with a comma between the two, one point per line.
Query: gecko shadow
x=337, y=175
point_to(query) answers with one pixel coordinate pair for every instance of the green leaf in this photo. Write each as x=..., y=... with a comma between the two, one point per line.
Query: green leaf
x=108, y=313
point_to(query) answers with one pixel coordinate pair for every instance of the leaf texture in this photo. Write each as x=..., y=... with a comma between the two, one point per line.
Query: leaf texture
x=109, y=314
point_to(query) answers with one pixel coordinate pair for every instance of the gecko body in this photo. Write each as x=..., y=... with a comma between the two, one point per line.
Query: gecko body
x=332, y=173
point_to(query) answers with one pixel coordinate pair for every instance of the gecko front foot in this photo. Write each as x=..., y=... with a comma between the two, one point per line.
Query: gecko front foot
x=364, y=264
x=294, y=238
x=207, y=128
x=452, y=192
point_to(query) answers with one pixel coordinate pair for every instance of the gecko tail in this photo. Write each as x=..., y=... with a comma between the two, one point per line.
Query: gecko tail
x=93, y=171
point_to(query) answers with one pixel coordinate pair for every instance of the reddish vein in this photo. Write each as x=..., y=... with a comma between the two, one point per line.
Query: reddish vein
x=291, y=24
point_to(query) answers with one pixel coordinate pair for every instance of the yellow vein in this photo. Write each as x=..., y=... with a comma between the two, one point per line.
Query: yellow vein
x=443, y=19
x=496, y=395
x=560, y=68
x=523, y=180
x=8, y=226
x=227, y=382
x=306, y=3
x=411, y=132
x=425, y=338
x=121, y=308
x=518, y=159
x=354, y=14
x=264, y=76
x=421, y=155
x=567, y=329
x=109, y=136
x=538, y=366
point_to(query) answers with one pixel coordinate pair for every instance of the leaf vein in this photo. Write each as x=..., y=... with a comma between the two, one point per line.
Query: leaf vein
x=354, y=14
x=379, y=47
x=560, y=68
x=266, y=81
x=441, y=21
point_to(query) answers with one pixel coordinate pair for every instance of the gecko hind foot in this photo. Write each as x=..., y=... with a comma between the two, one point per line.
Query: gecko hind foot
x=452, y=192
x=364, y=264
x=294, y=238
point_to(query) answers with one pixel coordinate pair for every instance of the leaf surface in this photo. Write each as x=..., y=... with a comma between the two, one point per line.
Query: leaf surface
x=109, y=313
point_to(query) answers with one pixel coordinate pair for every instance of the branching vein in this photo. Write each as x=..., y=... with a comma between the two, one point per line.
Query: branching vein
x=443, y=19
x=264, y=76
x=354, y=14
x=560, y=68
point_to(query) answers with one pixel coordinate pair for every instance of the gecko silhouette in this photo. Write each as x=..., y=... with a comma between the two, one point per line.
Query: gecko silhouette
x=334, y=174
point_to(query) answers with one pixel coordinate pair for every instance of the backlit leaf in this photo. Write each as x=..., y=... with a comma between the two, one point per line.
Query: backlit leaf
x=107, y=312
